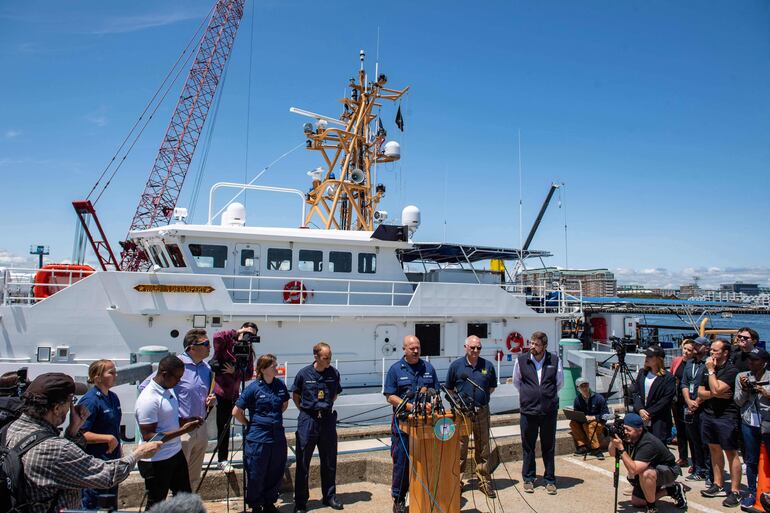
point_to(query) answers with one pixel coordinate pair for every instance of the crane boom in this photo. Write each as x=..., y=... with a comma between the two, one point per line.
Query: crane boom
x=161, y=192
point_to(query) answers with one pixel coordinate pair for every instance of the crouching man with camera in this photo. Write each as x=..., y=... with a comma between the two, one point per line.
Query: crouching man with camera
x=651, y=467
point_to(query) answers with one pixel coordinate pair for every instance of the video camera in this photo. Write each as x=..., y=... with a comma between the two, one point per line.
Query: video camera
x=621, y=346
x=615, y=427
x=242, y=348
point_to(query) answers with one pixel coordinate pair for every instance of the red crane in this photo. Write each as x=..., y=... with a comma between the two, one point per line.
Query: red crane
x=161, y=192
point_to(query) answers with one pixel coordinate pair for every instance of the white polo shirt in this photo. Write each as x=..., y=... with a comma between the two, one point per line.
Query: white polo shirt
x=156, y=404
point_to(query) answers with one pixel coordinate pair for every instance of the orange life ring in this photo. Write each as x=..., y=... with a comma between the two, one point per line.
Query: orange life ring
x=294, y=292
x=515, y=342
x=51, y=278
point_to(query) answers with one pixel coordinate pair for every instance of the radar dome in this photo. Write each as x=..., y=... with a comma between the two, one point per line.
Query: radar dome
x=234, y=215
x=410, y=217
x=392, y=150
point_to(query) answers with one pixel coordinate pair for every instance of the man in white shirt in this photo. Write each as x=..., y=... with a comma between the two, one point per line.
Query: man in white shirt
x=157, y=413
x=538, y=376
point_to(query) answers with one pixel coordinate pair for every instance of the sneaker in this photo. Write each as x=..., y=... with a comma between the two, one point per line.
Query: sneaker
x=676, y=491
x=225, y=467
x=529, y=487
x=714, y=491
x=733, y=500
x=709, y=482
x=653, y=508
x=399, y=506
x=581, y=450
x=694, y=477
x=599, y=455
x=748, y=501
x=550, y=488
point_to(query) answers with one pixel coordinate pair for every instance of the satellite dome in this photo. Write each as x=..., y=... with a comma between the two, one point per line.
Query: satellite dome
x=234, y=215
x=392, y=150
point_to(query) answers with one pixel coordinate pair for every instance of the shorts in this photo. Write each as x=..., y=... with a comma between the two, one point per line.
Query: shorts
x=666, y=476
x=723, y=431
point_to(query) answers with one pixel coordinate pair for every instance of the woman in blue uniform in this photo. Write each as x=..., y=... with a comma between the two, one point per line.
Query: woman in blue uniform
x=265, y=449
x=102, y=427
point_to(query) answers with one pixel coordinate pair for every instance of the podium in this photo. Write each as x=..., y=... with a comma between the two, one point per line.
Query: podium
x=434, y=452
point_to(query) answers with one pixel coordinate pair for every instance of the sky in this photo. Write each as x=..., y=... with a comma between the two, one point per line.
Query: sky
x=654, y=115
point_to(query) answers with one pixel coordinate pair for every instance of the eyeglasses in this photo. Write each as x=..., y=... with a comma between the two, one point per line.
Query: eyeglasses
x=743, y=337
x=474, y=348
x=204, y=344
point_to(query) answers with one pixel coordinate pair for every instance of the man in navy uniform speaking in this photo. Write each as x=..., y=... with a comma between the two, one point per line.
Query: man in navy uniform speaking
x=475, y=378
x=405, y=378
x=315, y=389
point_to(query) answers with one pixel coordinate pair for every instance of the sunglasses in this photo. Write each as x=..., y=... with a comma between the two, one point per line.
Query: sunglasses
x=204, y=344
x=743, y=337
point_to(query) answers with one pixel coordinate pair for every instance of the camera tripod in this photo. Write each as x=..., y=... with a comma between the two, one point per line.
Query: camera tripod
x=626, y=380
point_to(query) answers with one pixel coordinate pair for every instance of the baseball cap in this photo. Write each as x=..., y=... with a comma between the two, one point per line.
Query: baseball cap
x=633, y=420
x=654, y=351
x=702, y=341
x=581, y=381
x=53, y=387
x=758, y=354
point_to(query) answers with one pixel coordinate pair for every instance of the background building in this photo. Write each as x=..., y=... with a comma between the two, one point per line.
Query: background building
x=593, y=282
x=750, y=289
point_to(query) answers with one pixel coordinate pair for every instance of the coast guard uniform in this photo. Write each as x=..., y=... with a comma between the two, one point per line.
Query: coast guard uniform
x=401, y=379
x=265, y=447
x=316, y=425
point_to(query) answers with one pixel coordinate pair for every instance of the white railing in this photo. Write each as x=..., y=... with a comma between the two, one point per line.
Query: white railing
x=28, y=286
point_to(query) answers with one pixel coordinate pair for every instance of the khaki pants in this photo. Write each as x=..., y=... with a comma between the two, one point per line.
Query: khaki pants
x=480, y=446
x=194, y=446
x=587, y=434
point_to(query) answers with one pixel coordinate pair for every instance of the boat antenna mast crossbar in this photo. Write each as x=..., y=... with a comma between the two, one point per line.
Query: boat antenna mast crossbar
x=345, y=197
x=162, y=189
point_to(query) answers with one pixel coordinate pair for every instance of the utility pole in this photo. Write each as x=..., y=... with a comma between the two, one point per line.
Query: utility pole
x=40, y=251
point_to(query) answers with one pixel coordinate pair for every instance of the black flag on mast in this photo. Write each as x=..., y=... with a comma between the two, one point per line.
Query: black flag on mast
x=399, y=119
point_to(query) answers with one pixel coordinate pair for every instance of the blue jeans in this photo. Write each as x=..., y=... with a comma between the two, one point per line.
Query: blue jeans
x=752, y=438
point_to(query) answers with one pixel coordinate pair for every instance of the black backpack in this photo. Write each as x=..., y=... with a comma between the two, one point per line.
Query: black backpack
x=12, y=480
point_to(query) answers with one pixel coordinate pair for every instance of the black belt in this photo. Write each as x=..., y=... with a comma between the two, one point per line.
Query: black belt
x=317, y=414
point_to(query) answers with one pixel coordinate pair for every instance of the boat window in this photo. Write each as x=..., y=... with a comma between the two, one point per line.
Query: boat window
x=176, y=255
x=247, y=258
x=310, y=260
x=367, y=263
x=478, y=328
x=209, y=255
x=158, y=256
x=340, y=261
x=278, y=259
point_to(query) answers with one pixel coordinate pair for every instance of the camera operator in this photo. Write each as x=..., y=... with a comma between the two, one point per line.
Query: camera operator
x=753, y=396
x=475, y=377
x=719, y=422
x=56, y=469
x=746, y=341
x=587, y=435
x=651, y=467
x=654, y=391
x=691, y=379
x=228, y=376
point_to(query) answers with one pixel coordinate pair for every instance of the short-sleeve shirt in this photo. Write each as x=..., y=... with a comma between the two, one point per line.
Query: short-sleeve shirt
x=403, y=377
x=722, y=407
x=264, y=403
x=483, y=374
x=317, y=390
x=650, y=449
x=104, y=419
x=159, y=405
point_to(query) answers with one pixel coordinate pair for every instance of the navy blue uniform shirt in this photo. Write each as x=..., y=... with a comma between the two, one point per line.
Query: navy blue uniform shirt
x=264, y=402
x=317, y=390
x=483, y=374
x=403, y=377
x=104, y=419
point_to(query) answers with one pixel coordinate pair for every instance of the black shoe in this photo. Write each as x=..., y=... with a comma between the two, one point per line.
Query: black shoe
x=300, y=509
x=599, y=454
x=676, y=491
x=764, y=500
x=652, y=508
x=399, y=506
x=733, y=500
x=333, y=503
x=581, y=450
x=269, y=508
x=714, y=491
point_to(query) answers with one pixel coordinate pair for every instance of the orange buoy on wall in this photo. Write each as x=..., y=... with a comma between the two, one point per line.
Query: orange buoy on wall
x=294, y=292
x=51, y=278
x=515, y=342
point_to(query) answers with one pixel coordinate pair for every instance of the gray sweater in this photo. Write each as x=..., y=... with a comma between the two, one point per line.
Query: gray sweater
x=751, y=402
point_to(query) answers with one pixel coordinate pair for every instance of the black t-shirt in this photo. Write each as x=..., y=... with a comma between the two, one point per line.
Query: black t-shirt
x=650, y=449
x=740, y=359
x=722, y=407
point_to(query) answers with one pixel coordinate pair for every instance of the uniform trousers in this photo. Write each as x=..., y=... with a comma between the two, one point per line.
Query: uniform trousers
x=480, y=430
x=194, y=446
x=587, y=434
x=265, y=466
x=313, y=431
x=545, y=425
x=399, y=447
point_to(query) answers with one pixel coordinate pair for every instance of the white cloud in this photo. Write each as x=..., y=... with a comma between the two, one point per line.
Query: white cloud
x=12, y=134
x=98, y=117
x=9, y=259
x=126, y=24
x=708, y=277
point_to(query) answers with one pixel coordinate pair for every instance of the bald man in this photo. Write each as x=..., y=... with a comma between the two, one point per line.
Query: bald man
x=475, y=378
x=409, y=374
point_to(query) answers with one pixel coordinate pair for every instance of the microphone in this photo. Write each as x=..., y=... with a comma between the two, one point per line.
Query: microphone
x=467, y=378
x=403, y=402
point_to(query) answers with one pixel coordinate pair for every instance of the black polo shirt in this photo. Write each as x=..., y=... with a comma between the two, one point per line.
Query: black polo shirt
x=722, y=407
x=483, y=374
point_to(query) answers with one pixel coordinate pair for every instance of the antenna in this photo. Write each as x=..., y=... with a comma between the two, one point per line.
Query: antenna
x=563, y=196
x=377, y=55
x=361, y=55
x=521, y=204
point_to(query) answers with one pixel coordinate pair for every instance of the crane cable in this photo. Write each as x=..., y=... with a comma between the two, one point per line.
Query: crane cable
x=180, y=64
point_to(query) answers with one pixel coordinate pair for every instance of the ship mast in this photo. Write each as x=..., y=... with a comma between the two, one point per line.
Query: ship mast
x=344, y=197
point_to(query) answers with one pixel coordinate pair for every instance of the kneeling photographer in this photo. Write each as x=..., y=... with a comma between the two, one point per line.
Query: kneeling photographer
x=651, y=467
x=232, y=363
